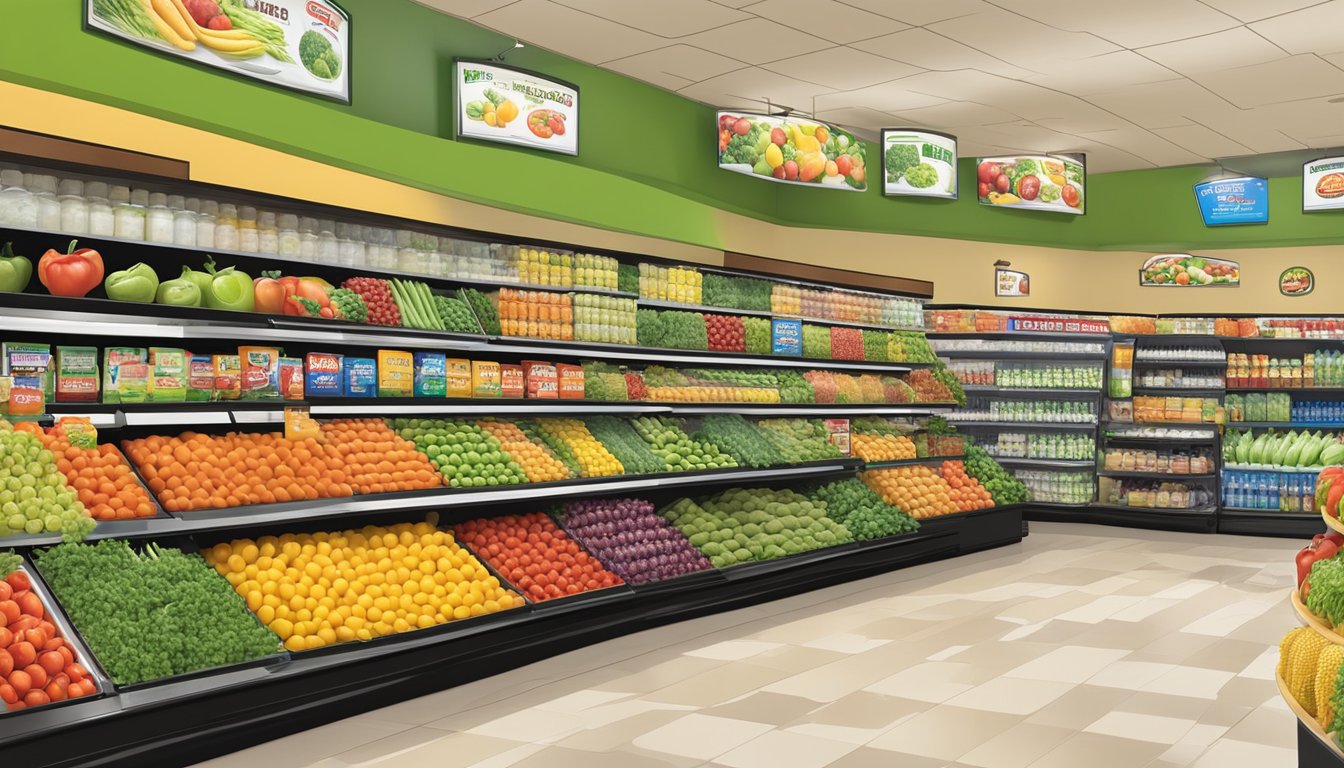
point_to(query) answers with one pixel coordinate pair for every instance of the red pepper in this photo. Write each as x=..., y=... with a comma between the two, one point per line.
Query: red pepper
x=73, y=273
x=1304, y=559
x=1332, y=500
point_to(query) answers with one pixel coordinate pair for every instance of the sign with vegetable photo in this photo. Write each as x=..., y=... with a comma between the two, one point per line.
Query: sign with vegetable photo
x=1010, y=283
x=1296, y=281
x=919, y=163
x=1184, y=271
x=1323, y=184
x=299, y=44
x=1052, y=183
x=1243, y=200
x=791, y=150
x=512, y=106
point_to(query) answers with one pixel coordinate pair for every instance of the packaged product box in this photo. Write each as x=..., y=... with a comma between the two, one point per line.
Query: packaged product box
x=200, y=378
x=76, y=374
x=113, y=359
x=30, y=365
x=512, y=383
x=359, y=377
x=431, y=374
x=571, y=382
x=541, y=380
x=6, y=384
x=458, y=373
x=291, y=378
x=322, y=374
x=133, y=381
x=228, y=376
x=396, y=373
x=260, y=372
x=168, y=375
x=485, y=379
x=786, y=337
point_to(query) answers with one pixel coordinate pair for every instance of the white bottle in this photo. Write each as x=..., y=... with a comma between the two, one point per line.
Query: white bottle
x=43, y=188
x=18, y=207
x=288, y=242
x=101, y=221
x=205, y=224
x=268, y=234
x=159, y=220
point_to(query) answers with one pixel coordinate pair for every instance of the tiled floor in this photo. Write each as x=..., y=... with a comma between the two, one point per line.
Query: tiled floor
x=1083, y=646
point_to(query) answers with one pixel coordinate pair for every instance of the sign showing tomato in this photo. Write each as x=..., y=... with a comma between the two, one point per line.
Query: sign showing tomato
x=1296, y=281
x=1242, y=200
x=1011, y=283
x=513, y=106
x=1323, y=184
x=791, y=150
x=1181, y=270
x=1052, y=183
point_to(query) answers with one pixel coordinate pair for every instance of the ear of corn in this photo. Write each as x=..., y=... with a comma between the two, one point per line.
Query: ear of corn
x=1327, y=681
x=1286, y=649
x=1302, y=659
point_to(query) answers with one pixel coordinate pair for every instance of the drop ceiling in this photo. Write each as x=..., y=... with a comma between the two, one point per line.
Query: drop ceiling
x=1137, y=84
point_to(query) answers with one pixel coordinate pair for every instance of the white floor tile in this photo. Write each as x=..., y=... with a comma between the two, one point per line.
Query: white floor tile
x=1130, y=675
x=1011, y=696
x=932, y=682
x=1223, y=621
x=1100, y=609
x=1241, y=754
x=703, y=737
x=1195, y=682
x=946, y=653
x=1133, y=725
x=1070, y=664
x=777, y=748
x=733, y=650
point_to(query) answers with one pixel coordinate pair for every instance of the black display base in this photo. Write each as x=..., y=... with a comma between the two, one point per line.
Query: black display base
x=1311, y=753
x=1280, y=524
x=203, y=718
x=1126, y=517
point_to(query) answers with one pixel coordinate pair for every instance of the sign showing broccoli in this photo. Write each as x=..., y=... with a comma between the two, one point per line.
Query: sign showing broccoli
x=318, y=56
x=922, y=163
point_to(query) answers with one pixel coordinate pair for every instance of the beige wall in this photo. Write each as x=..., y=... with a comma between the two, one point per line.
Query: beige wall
x=962, y=271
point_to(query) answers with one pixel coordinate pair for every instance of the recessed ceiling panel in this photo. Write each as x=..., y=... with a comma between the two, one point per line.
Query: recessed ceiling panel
x=830, y=19
x=675, y=66
x=683, y=17
x=565, y=30
x=842, y=68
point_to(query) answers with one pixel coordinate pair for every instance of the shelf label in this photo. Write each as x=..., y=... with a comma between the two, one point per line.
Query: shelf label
x=299, y=423
x=837, y=431
x=787, y=337
x=1057, y=325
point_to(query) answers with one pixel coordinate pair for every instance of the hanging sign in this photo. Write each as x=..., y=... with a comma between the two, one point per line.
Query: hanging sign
x=791, y=151
x=1323, y=184
x=1185, y=271
x=514, y=106
x=919, y=163
x=1296, y=281
x=303, y=45
x=1033, y=182
x=1010, y=282
x=1242, y=200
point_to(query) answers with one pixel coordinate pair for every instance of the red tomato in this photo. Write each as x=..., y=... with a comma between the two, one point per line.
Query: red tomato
x=777, y=136
x=987, y=172
x=36, y=636
x=6, y=591
x=31, y=605
x=18, y=581
x=1069, y=194
x=38, y=675
x=36, y=698
x=21, y=681
x=23, y=653
x=1002, y=183
x=844, y=164
x=9, y=612
x=6, y=664
x=982, y=189
x=742, y=127
x=8, y=694
x=55, y=691
x=52, y=662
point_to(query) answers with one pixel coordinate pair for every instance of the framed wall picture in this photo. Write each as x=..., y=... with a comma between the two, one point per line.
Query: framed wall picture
x=514, y=106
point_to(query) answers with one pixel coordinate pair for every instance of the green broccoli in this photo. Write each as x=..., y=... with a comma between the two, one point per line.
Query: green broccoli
x=317, y=55
x=320, y=69
x=900, y=158
x=922, y=176
x=741, y=149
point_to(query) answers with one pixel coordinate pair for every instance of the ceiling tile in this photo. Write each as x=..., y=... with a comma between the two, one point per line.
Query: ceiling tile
x=1304, y=121
x=1202, y=140
x=568, y=31
x=1105, y=159
x=1103, y=73
x=1083, y=119
x=1021, y=41
x=1232, y=48
x=832, y=20
x=928, y=50
x=749, y=88
x=842, y=69
x=675, y=66
x=464, y=9
x=735, y=3
x=1022, y=99
x=1132, y=24
x=1309, y=30
x=1162, y=105
x=1028, y=135
x=1254, y=10
x=886, y=97
x=684, y=17
x=757, y=41
x=920, y=12
x=1146, y=145
x=1297, y=77
x=957, y=114
x=864, y=122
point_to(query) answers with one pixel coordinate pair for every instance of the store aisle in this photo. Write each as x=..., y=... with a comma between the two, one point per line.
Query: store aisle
x=1083, y=646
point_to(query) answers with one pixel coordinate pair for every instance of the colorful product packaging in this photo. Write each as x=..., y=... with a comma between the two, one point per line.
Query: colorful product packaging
x=541, y=380
x=30, y=365
x=458, y=372
x=200, y=378
x=484, y=379
x=291, y=378
x=113, y=359
x=571, y=381
x=431, y=374
x=322, y=374
x=228, y=377
x=168, y=375
x=512, y=383
x=359, y=377
x=133, y=381
x=260, y=372
x=76, y=374
x=396, y=373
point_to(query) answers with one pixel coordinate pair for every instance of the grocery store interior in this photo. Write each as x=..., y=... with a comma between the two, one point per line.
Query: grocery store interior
x=694, y=384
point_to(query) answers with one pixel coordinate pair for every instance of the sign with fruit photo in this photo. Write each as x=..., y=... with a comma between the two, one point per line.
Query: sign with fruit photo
x=1052, y=183
x=791, y=150
x=299, y=44
x=919, y=163
x=1184, y=271
x=513, y=106
x=1323, y=184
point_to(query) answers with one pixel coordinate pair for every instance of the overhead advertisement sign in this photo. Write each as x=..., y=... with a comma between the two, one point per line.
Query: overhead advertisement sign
x=1052, y=183
x=299, y=44
x=1243, y=200
x=1323, y=184
x=792, y=151
x=1181, y=270
x=513, y=106
x=919, y=163
x=1011, y=283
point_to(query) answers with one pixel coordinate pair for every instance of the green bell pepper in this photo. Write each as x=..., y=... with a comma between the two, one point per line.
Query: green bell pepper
x=180, y=292
x=202, y=279
x=229, y=289
x=15, y=271
x=139, y=284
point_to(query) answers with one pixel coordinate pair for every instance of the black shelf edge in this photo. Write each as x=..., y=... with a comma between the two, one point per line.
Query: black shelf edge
x=1025, y=424
x=1188, y=363
x=1177, y=391
x=989, y=390
x=981, y=354
x=1126, y=517
x=1265, y=522
x=1287, y=424
x=1024, y=461
x=910, y=462
x=1290, y=390
x=1039, y=335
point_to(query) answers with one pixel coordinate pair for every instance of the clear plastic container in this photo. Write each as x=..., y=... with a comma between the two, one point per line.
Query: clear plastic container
x=328, y=249
x=101, y=221
x=226, y=228
x=184, y=228
x=18, y=207
x=268, y=233
x=158, y=219
x=308, y=238
x=43, y=188
x=205, y=224
x=287, y=236
x=247, y=229
x=350, y=250
x=129, y=213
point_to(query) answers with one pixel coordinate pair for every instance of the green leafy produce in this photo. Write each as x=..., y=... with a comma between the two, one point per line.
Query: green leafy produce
x=799, y=440
x=318, y=56
x=466, y=455
x=900, y=158
x=271, y=35
x=794, y=388
x=732, y=376
x=921, y=176
x=910, y=347
x=750, y=524
x=604, y=382
x=949, y=379
x=9, y=563
x=759, y=336
x=455, y=315
x=627, y=278
x=484, y=309
x=1325, y=595
x=735, y=292
x=857, y=507
x=674, y=329
x=34, y=496
x=128, y=16
x=816, y=341
x=876, y=345
x=1002, y=486
x=349, y=305
x=739, y=439
x=620, y=438
x=666, y=438
x=155, y=614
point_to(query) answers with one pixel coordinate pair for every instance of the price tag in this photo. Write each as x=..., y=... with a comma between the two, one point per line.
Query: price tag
x=837, y=431
x=299, y=423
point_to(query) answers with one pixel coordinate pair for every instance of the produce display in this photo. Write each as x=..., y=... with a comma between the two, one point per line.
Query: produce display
x=319, y=589
x=376, y=459
x=604, y=382
x=535, y=555
x=631, y=539
x=455, y=315
x=743, y=525
x=799, y=440
x=627, y=444
x=467, y=455
x=379, y=301
x=740, y=440
x=35, y=496
x=1282, y=449
x=1003, y=487
x=682, y=285
x=101, y=478
x=535, y=314
x=672, y=329
x=920, y=491
x=1310, y=667
x=882, y=447
x=847, y=344
x=667, y=385
x=1282, y=407
x=930, y=387
x=37, y=664
x=1052, y=487
x=593, y=459
x=118, y=599
x=484, y=309
x=1028, y=411
x=597, y=271
x=967, y=493
x=679, y=452
x=736, y=292
x=854, y=505
x=1012, y=375
x=538, y=463
x=757, y=335
x=1041, y=445
x=817, y=341
x=539, y=266
x=606, y=319
x=1173, y=461
x=726, y=333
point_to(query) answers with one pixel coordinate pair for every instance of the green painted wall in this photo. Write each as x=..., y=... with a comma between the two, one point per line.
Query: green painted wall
x=647, y=155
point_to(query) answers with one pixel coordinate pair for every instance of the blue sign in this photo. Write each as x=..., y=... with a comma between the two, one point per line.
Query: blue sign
x=788, y=337
x=1242, y=200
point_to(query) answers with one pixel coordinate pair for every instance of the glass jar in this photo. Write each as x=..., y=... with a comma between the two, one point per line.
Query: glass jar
x=205, y=224
x=351, y=251
x=328, y=251
x=268, y=234
x=18, y=208
x=287, y=236
x=43, y=189
x=308, y=238
x=247, y=229
x=74, y=207
x=158, y=219
x=101, y=221
x=129, y=213
x=226, y=227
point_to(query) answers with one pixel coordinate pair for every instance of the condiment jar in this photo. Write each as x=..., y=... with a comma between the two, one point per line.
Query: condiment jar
x=226, y=228
x=205, y=224
x=287, y=238
x=101, y=221
x=184, y=221
x=43, y=189
x=159, y=220
x=247, y=229
x=18, y=208
x=328, y=250
x=308, y=238
x=268, y=235
x=129, y=213
x=74, y=208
